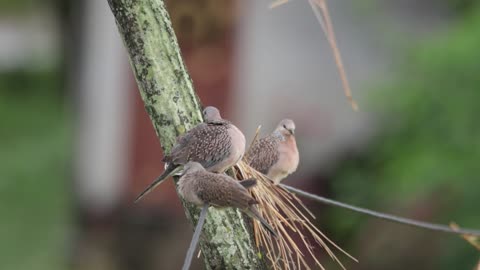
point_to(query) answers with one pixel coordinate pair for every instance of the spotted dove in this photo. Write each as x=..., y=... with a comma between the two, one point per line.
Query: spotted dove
x=200, y=187
x=275, y=155
x=216, y=144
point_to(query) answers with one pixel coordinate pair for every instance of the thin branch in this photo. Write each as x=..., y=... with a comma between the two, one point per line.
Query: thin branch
x=196, y=236
x=397, y=219
x=320, y=18
x=327, y=26
x=257, y=132
x=320, y=10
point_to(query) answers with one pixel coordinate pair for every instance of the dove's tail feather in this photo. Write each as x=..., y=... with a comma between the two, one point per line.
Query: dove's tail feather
x=252, y=212
x=168, y=172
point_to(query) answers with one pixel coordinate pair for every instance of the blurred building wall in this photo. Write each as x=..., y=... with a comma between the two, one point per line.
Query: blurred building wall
x=29, y=41
x=104, y=116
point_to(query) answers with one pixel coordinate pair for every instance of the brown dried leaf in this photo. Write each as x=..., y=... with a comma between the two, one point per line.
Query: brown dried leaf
x=473, y=240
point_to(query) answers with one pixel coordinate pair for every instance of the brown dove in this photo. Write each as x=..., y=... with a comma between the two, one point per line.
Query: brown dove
x=216, y=144
x=275, y=155
x=200, y=187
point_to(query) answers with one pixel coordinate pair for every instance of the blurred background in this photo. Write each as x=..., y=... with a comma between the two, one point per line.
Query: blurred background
x=76, y=145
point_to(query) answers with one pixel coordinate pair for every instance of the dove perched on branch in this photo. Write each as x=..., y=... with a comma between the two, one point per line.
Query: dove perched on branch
x=216, y=144
x=200, y=187
x=275, y=155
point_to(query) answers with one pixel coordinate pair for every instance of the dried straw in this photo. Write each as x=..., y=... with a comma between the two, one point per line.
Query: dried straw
x=473, y=240
x=320, y=10
x=291, y=219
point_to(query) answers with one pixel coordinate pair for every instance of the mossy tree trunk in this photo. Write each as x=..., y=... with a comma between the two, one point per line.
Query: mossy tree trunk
x=173, y=107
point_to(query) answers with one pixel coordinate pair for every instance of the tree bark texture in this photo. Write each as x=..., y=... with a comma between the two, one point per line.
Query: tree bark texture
x=171, y=102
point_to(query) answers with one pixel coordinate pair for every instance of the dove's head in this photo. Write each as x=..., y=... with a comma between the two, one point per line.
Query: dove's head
x=211, y=113
x=286, y=127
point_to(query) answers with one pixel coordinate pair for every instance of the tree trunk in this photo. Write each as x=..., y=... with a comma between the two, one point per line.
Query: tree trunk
x=173, y=107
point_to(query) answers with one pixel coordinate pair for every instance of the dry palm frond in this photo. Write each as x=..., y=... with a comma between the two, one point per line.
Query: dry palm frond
x=290, y=218
x=473, y=240
x=320, y=9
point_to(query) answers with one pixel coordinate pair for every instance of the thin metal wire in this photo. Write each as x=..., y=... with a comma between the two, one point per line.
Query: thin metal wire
x=397, y=219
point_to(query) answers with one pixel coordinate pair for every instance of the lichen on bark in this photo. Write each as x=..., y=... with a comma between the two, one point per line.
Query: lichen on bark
x=173, y=107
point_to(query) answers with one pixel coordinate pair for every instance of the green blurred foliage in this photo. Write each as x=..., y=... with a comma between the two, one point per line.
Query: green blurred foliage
x=461, y=5
x=428, y=150
x=34, y=169
x=17, y=7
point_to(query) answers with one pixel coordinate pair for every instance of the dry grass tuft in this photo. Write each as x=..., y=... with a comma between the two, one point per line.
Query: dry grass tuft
x=291, y=219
